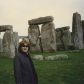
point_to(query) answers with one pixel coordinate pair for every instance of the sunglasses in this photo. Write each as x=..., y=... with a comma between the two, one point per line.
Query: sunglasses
x=25, y=46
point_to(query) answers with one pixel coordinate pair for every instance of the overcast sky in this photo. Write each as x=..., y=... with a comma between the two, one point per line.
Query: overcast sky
x=18, y=12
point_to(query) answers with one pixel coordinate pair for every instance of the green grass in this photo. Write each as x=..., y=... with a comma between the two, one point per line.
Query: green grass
x=6, y=71
x=69, y=71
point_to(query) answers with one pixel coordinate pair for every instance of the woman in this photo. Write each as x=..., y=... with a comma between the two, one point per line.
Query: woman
x=24, y=70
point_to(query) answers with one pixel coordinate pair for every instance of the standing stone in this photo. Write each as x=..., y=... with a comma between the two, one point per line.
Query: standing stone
x=63, y=38
x=77, y=32
x=83, y=30
x=66, y=37
x=16, y=41
x=48, y=37
x=1, y=46
x=33, y=35
x=8, y=43
x=59, y=42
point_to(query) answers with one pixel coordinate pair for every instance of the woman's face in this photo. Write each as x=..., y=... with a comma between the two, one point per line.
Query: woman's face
x=24, y=48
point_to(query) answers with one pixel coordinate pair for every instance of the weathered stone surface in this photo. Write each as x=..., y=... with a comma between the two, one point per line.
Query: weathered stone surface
x=48, y=37
x=53, y=57
x=37, y=57
x=63, y=38
x=41, y=20
x=8, y=43
x=57, y=57
x=1, y=46
x=25, y=39
x=16, y=41
x=83, y=31
x=77, y=31
x=66, y=38
x=59, y=42
x=3, y=28
x=33, y=35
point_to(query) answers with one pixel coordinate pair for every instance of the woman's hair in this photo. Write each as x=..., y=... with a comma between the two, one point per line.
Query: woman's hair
x=22, y=43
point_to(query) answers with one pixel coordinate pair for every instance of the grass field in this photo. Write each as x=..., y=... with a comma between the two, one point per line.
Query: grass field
x=69, y=71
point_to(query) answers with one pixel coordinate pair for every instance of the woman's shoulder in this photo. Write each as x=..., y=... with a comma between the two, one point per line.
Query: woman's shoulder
x=18, y=55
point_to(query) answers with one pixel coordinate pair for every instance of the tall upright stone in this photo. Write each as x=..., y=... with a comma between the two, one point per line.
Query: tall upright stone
x=77, y=31
x=63, y=38
x=66, y=37
x=16, y=41
x=83, y=30
x=48, y=37
x=33, y=35
x=59, y=42
x=8, y=42
x=1, y=46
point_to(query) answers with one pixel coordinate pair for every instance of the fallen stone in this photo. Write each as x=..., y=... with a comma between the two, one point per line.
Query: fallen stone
x=37, y=57
x=57, y=57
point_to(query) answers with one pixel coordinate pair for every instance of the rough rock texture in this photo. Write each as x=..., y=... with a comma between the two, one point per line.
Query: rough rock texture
x=33, y=35
x=8, y=43
x=37, y=57
x=63, y=38
x=1, y=46
x=83, y=31
x=77, y=31
x=41, y=20
x=48, y=37
x=57, y=57
x=66, y=37
x=59, y=42
x=16, y=41
x=3, y=28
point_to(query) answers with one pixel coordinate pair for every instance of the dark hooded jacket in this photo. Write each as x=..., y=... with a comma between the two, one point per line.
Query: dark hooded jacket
x=24, y=70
